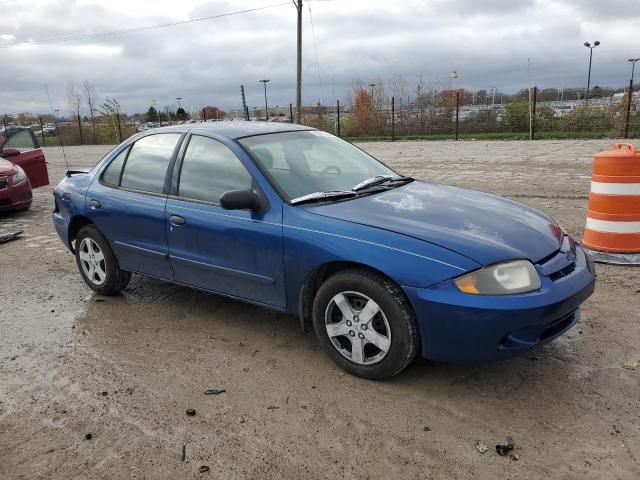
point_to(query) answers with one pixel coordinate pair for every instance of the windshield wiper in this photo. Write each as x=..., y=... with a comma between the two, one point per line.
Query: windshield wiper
x=379, y=180
x=319, y=196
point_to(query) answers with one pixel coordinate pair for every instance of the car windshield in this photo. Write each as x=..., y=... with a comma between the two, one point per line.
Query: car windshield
x=306, y=162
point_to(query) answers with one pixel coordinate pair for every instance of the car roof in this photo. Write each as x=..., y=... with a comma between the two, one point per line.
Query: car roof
x=237, y=129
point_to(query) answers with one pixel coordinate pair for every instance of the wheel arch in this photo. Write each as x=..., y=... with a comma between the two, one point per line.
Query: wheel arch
x=317, y=277
x=76, y=223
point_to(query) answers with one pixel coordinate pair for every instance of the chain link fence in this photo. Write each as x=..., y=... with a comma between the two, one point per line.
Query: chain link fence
x=600, y=118
x=446, y=115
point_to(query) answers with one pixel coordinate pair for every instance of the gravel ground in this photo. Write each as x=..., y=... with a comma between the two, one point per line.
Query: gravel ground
x=125, y=369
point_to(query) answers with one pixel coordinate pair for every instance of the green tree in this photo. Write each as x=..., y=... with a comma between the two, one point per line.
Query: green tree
x=516, y=116
x=181, y=114
x=152, y=114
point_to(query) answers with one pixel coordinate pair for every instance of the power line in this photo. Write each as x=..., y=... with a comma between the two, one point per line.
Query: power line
x=137, y=29
x=315, y=46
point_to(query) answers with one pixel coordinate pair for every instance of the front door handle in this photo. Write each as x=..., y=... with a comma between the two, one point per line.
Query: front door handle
x=94, y=204
x=177, y=220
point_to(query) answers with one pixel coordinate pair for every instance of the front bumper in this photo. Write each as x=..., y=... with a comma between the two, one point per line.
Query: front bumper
x=458, y=327
x=15, y=197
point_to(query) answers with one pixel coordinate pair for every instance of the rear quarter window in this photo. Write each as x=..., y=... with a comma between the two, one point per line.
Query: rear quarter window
x=111, y=175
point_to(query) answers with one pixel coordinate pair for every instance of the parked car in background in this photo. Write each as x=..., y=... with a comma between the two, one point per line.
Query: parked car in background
x=49, y=130
x=147, y=126
x=22, y=168
x=295, y=219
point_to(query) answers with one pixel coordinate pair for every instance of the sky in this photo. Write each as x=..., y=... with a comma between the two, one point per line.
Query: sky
x=506, y=44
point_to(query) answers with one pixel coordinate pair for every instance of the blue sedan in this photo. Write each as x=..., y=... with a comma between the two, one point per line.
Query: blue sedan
x=381, y=266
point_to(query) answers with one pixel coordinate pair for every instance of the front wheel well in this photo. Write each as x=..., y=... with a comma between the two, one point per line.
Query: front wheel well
x=75, y=225
x=316, y=278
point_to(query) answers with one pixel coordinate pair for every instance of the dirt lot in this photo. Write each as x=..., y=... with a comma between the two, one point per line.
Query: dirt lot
x=126, y=368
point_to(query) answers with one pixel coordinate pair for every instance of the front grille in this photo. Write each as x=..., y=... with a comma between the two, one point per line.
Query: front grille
x=4, y=183
x=563, y=273
x=560, y=263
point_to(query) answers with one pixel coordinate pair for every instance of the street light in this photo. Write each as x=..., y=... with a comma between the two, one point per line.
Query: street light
x=454, y=76
x=628, y=114
x=371, y=85
x=590, y=47
x=266, y=104
x=633, y=67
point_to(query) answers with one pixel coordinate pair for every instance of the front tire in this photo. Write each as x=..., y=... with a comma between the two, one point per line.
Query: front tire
x=97, y=263
x=366, y=324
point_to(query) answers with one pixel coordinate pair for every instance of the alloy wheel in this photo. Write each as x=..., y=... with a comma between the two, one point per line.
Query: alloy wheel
x=92, y=261
x=358, y=328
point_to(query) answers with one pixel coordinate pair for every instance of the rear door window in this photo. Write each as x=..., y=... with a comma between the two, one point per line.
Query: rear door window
x=146, y=166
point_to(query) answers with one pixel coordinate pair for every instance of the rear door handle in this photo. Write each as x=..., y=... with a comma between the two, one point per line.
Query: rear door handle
x=94, y=204
x=177, y=220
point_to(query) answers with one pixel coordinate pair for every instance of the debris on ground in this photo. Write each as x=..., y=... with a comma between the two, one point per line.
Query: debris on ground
x=7, y=237
x=503, y=448
x=631, y=364
x=214, y=391
x=242, y=420
x=514, y=456
x=203, y=469
x=88, y=436
x=184, y=452
x=191, y=412
x=272, y=407
x=98, y=299
x=481, y=446
x=427, y=428
x=105, y=393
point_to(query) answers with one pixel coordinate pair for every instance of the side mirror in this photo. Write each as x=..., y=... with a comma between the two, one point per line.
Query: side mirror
x=10, y=152
x=239, y=200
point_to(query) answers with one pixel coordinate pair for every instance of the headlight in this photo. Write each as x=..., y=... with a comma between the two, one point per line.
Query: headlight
x=517, y=276
x=19, y=177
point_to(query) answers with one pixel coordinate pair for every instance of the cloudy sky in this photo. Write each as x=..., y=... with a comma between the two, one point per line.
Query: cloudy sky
x=488, y=42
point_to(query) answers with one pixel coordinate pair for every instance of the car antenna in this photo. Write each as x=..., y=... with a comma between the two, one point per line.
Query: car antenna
x=55, y=122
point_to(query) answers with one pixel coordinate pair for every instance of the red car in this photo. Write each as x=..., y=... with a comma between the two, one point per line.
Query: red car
x=22, y=167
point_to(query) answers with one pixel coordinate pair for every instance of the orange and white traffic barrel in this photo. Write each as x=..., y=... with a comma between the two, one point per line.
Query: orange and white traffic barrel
x=612, y=233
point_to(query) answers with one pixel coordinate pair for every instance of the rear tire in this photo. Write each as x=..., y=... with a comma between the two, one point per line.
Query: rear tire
x=97, y=263
x=366, y=324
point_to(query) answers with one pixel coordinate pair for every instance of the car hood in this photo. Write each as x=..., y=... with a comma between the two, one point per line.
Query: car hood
x=7, y=168
x=483, y=227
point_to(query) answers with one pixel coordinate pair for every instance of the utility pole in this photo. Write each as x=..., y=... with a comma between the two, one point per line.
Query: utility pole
x=266, y=104
x=628, y=113
x=298, y=5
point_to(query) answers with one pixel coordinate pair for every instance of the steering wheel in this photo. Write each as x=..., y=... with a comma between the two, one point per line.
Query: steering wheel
x=329, y=168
